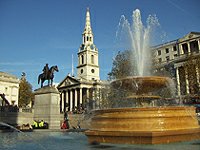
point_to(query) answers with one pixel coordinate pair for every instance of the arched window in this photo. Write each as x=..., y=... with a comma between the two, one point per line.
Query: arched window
x=82, y=59
x=87, y=38
x=92, y=59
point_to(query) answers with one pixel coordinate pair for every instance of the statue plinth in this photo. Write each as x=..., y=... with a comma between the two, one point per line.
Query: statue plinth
x=47, y=106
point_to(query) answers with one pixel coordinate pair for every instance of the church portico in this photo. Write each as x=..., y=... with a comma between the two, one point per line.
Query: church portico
x=77, y=98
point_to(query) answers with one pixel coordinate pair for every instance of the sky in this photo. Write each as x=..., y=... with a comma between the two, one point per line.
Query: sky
x=36, y=32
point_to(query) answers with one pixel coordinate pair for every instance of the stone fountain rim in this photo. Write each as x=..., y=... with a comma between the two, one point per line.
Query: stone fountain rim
x=141, y=77
x=134, y=109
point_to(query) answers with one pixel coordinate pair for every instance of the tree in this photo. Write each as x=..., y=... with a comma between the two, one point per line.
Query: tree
x=25, y=92
x=122, y=66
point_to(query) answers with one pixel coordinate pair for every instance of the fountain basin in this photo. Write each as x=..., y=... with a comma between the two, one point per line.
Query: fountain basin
x=141, y=84
x=153, y=125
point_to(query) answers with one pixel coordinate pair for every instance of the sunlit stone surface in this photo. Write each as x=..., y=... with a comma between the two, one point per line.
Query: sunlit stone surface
x=144, y=125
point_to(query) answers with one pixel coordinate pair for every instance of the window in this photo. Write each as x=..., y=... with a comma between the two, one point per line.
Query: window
x=159, y=52
x=81, y=71
x=167, y=50
x=160, y=60
x=82, y=59
x=167, y=58
x=174, y=48
x=194, y=46
x=92, y=59
x=92, y=70
x=185, y=48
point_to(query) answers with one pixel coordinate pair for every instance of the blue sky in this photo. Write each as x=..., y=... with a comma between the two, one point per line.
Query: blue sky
x=36, y=32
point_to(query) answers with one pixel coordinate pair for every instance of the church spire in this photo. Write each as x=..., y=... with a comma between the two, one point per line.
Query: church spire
x=88, y=64
x=88, y=28
x=87, y=33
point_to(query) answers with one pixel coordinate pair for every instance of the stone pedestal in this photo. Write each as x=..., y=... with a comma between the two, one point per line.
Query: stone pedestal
x=47, y=106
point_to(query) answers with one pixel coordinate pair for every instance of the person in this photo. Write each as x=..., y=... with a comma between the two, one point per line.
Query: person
x=46, y=71
x=64, y=125
x=41, y=124
x=35, y=124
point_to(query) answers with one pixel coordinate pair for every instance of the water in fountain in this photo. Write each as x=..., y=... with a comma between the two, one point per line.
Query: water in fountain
x=140, y=40
x=10, y=140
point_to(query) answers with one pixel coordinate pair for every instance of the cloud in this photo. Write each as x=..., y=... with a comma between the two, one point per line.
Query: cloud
x=179, y=8
x=176, y=6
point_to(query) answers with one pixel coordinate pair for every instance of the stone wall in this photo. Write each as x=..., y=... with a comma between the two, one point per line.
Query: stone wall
x=16, y=118
x=19, y=118
x=79, y=119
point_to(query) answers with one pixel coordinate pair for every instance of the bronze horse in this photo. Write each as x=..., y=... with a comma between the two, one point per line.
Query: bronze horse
x=49, y=77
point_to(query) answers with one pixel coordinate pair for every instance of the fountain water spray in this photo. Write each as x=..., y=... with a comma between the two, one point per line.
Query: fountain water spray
x=139, y=37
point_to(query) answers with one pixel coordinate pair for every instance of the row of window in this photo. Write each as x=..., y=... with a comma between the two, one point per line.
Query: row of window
x=186, y=48
x=167, y=58
x=193, y=45
x=167, y=50
x=92, y=71
x=87, y=38
x=82, y=59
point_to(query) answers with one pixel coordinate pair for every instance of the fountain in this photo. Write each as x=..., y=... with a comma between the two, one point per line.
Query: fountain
x=145, y=123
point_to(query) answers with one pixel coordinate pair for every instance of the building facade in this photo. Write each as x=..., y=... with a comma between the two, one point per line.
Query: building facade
x=9, y=86
x=181, y=57
x=83, y=92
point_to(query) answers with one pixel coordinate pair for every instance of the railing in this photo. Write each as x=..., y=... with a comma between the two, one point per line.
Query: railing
x=9, y=109
x=27, y=110
x=15, y=109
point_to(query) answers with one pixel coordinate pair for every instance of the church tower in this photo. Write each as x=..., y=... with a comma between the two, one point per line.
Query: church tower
x=88, y=66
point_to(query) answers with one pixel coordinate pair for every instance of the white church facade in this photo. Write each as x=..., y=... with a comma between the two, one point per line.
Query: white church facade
x=84, y=91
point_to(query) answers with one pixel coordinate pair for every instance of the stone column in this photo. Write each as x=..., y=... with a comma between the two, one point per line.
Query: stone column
x=87, y=99
x=67, y=100
x=63, y=101
x=47, y=106
x=87, y=93
x=197, y=75
x=178, y=82
x=186, y=81
x=94, y=94
x=81, y=96
x=75, y=94
x=71, y=99
x=198, y=44
x=181, y=49
x=188, y=44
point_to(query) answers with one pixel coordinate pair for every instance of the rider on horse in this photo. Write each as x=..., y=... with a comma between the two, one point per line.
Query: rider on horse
x=48, y=74
x=46, y=71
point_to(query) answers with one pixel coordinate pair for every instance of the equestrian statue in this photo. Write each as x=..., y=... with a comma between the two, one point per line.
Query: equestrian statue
x=48, y=74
